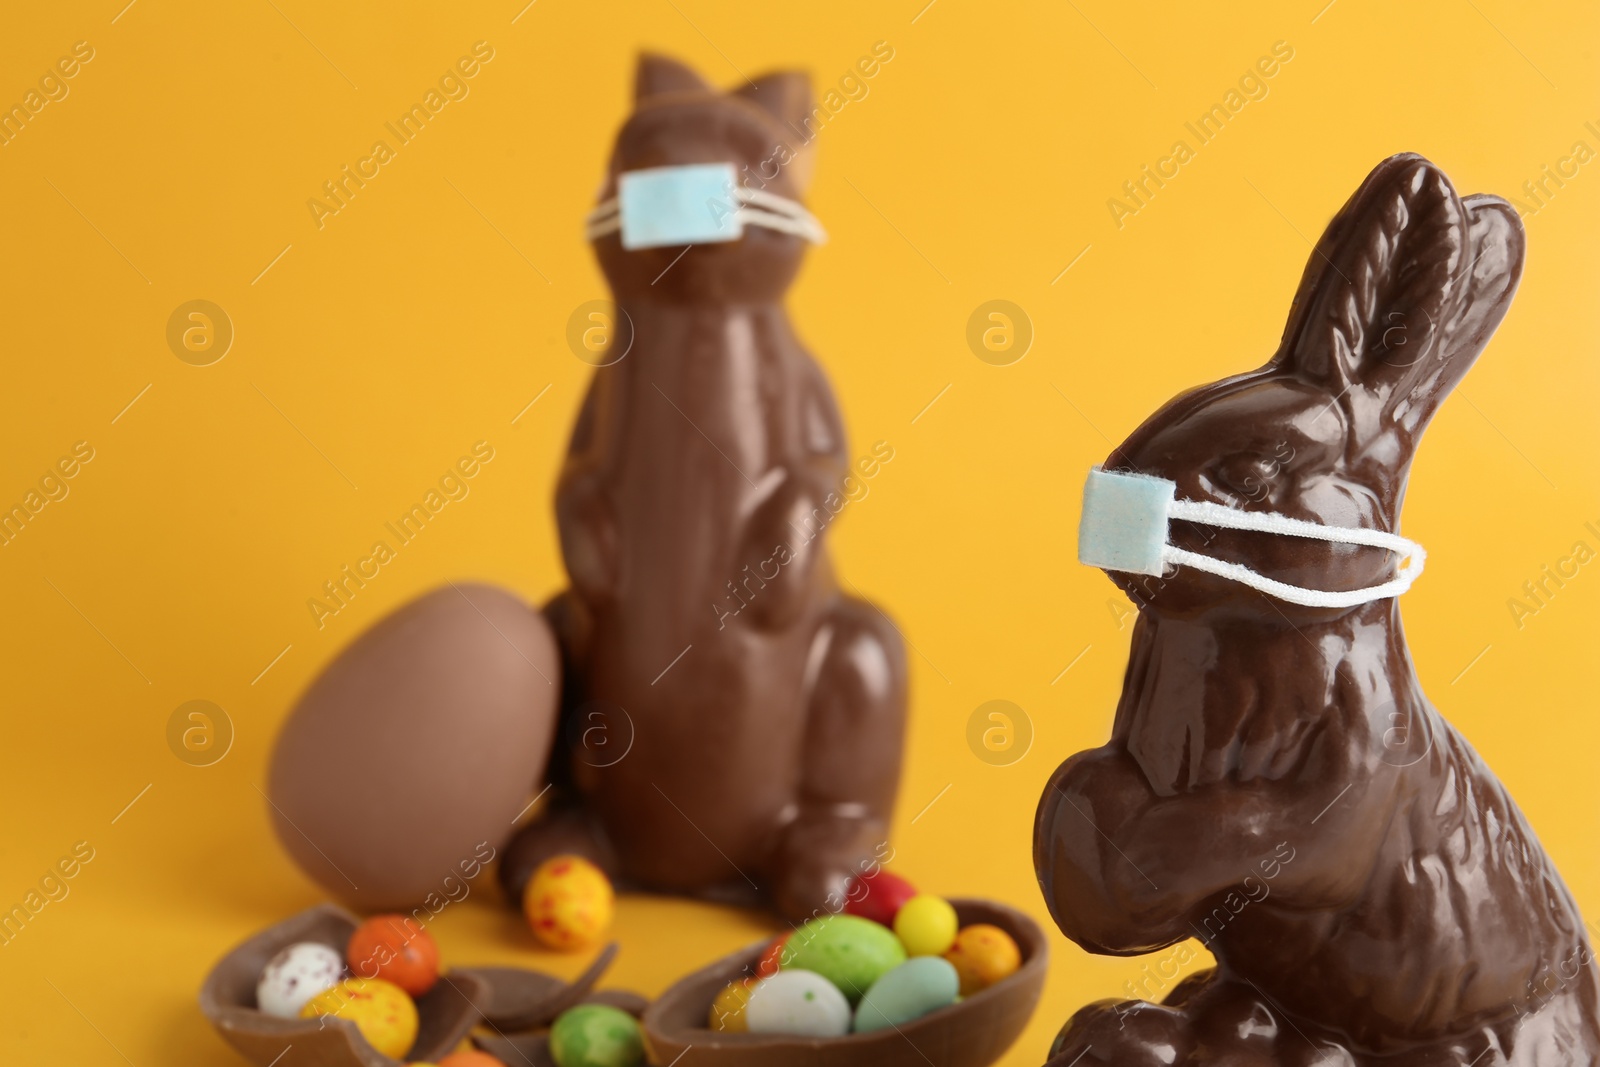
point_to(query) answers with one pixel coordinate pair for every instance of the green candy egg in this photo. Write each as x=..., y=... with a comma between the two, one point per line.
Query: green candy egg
x=848, y=951
x=596, y=1035
x=907, y=993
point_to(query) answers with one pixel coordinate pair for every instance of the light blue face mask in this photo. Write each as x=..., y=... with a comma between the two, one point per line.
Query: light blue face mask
x=1125, y=528
x=699, y=203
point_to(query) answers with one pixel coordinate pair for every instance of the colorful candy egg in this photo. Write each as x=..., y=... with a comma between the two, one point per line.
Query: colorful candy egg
x=878, y=896
x=926, y=925
x=295, y=975
x=797, y=1002
x=381, y=1011
x=396, y=949
x=982, y=955
x=848, y=951
x=771, y=961
x=907, y=993
x=569, y=903
x=727, y=1010
x=596, y=1035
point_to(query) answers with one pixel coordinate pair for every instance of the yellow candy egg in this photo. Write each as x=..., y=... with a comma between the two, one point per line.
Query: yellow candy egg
x=727, y=1011
x=982, y=955
x=568, y=903
x=381, y=1011
x=926, y=925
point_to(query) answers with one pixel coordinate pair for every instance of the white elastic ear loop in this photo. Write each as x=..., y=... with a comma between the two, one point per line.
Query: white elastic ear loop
x=781, y=214
x=1211, y=514
x=605, y=218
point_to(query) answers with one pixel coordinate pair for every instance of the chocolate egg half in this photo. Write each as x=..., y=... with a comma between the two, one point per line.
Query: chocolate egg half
x=400, y=771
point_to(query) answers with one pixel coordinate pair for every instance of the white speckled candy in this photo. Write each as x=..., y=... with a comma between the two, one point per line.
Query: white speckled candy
x=797, y=1002
x=295, y=975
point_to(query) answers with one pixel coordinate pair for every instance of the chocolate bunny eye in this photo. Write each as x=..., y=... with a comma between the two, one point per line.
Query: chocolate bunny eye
x=1248, y=474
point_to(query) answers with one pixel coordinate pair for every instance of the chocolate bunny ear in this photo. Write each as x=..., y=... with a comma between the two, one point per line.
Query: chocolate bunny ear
x=786, y=96
x=657, y=74
x=1401, y=295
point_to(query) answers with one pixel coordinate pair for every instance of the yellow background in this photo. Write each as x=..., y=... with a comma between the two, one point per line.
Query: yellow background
x=415, y=323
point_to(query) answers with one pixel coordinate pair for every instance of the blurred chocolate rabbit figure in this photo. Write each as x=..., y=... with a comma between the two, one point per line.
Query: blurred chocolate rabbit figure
x=1276, y=783
x=765, y=709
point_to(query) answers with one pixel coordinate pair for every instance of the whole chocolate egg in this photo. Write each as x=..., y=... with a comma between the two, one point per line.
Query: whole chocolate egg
x=400, y=772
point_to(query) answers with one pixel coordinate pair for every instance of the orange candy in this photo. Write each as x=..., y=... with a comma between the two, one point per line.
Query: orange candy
x=569, y=903
x=772, y=959
x=464, y=1058
x=472, y=1058
x=396, y=949
x=982, y=955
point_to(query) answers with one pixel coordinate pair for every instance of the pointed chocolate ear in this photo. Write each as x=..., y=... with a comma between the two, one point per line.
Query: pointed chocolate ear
x=1402, y=294
x=657, y=74
x=1494, y=255
x=1384, y=284
x=785, y=95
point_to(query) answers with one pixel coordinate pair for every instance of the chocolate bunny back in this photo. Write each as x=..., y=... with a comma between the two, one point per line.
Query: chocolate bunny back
x=1277, y=784
x=704, y=625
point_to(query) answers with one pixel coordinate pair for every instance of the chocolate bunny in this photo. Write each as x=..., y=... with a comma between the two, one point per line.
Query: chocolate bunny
x=765, y=709
x=1276, y=783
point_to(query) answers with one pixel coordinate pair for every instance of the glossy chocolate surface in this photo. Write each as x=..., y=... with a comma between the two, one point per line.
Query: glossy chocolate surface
x=1276, y=783
x=760, y=709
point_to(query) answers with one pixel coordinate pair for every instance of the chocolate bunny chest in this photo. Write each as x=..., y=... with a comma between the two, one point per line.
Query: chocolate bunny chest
x=1418, y=954
x=713, y=410
x=694, y=437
